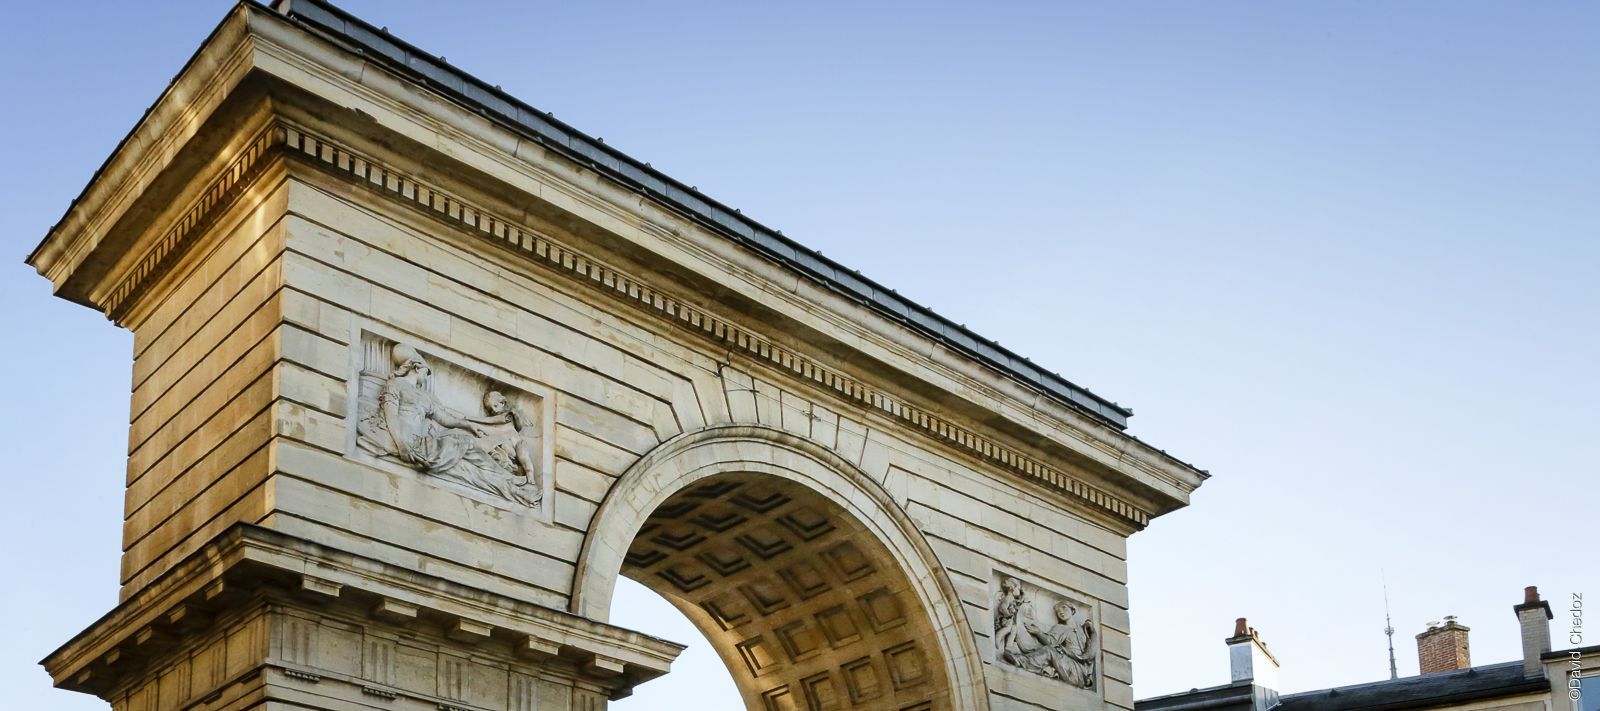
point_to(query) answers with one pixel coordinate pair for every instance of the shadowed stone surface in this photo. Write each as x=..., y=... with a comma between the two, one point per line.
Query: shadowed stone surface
x=809, y=608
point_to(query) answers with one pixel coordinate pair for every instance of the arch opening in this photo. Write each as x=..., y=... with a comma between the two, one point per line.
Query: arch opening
x=806, y=608
x=812, y=586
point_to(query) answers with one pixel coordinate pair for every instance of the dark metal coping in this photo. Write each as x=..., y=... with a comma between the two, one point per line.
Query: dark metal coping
x=1411, y=692
x=1439, y=688
x=1229, y=696
x=544, y=128
x=1584, y=652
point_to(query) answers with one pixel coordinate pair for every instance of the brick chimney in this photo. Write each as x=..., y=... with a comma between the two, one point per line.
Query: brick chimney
x=1251, y=662
x=1534, y=615
x=1443, y=647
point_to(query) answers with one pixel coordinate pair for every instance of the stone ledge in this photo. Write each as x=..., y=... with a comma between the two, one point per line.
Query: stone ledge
x=247, y=558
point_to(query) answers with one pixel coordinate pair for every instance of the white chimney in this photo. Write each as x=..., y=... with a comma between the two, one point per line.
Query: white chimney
x=1251, y=662
x=1534, y=615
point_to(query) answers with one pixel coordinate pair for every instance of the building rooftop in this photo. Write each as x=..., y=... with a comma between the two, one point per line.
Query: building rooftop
x=489, y=100
x=1237, y=695
x=1411, y=692
x=1451, y=687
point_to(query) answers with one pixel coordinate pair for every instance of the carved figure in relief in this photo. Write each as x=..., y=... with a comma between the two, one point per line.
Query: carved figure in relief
x=1010, y=607
x=412, y=426
x=1065, y=651
x=520, y=451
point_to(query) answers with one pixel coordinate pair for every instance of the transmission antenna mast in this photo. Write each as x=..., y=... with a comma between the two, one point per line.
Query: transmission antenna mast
x=1388, y=629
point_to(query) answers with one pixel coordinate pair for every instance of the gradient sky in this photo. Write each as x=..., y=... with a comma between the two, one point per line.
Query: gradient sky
x=1343, y=255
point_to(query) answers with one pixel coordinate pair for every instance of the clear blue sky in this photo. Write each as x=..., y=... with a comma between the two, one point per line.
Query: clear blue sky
x=1341, y=254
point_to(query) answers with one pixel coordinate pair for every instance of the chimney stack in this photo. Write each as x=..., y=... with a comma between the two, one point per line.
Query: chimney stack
x=1444, y=647
x=1251, y=662
x=1534, y=615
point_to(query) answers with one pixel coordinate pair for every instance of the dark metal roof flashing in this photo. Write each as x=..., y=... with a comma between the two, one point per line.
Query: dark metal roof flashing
x=544, y=128
x=1412, y=692
x=1462, y=686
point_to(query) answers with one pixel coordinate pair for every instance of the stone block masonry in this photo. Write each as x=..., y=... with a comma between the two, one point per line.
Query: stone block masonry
x=412, y=386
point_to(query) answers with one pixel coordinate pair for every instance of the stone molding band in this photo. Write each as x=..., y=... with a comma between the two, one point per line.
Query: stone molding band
x=293, y=142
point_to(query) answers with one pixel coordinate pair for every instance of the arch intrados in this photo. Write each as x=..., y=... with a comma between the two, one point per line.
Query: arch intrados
x=691, y=458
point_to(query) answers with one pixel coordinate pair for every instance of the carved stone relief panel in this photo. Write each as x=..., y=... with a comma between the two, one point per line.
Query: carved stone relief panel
x=1043, y=632
x=474, y=433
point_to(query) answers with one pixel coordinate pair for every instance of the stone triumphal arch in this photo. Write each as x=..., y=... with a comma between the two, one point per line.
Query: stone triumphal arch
x=419, y=371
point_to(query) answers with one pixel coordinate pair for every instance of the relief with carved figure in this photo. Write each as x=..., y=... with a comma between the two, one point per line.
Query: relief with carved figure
x=450, y=423
x=1039, y=631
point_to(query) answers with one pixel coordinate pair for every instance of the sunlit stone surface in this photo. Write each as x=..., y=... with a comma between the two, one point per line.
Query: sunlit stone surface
x=418, y=373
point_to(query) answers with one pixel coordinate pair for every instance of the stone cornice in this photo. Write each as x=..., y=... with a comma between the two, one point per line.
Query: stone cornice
x=248, y=559
x=253, y=157
x=413, y=109
x=205, y=81
x=380, y=48
x=582, y=267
